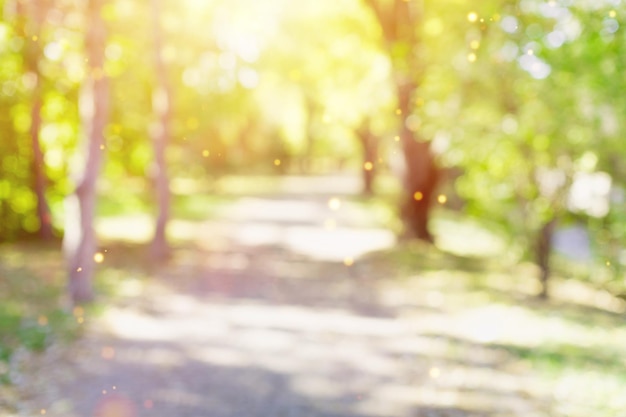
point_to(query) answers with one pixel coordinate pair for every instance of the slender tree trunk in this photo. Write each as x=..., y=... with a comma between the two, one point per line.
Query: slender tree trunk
x=369, y=145
x=79, y=242
x=306, y=163
x=543, y=252
x=34, y=15
x=162, y=99
x=38, y=167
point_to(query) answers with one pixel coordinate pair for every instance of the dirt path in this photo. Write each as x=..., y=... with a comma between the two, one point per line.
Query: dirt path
x=273, y=313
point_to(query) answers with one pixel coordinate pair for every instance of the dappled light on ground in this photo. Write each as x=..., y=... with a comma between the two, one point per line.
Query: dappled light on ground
x=287, y=305
x=302, y=227
x=224, y=355
x=131, y=228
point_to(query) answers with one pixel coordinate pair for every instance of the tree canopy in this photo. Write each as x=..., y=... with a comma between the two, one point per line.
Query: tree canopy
x=519, y=98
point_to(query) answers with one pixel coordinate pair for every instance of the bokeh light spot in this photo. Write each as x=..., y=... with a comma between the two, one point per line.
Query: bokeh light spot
x=98, y=257
x=115, y=405
x=417, y=196
x=442, y=199
x=334, y=203
x=472, y=16
x=107, y=353
x=368, y=166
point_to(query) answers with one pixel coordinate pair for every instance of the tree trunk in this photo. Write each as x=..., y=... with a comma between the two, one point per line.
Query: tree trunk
x=34, y=15
x=369, y=145
x=543, y=251
x=161, y=102
x=421, y=174
x=38, y=166
x=307, y=161
x=79, y=242
x=398, y=20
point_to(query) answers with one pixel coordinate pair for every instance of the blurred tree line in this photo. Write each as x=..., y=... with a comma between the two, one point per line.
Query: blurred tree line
x=518, y=98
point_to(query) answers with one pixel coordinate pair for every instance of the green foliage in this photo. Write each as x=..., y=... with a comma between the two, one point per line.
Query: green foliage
x=30, y=294
x=517, y=95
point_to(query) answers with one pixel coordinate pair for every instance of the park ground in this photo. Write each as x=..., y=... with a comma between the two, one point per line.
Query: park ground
x=296, y=299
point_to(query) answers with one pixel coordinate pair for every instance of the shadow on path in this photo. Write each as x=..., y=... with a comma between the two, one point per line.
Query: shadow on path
x=272, y=311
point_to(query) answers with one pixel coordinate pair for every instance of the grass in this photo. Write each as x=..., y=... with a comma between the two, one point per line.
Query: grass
x=571, y=345
x=32, y=315
x=34, y=312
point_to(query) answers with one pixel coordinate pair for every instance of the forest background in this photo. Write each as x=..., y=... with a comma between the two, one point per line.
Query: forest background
x=502, y=118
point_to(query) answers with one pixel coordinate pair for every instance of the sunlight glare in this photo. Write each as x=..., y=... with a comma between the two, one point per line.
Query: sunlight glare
x=227, y=60
x=248, y=77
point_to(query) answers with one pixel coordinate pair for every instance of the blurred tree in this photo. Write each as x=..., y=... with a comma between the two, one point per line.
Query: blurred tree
x=31, y=16
x=500, y=89
x=370, y=144
x=80, y=240
x=161, y=131
x=399, y=21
